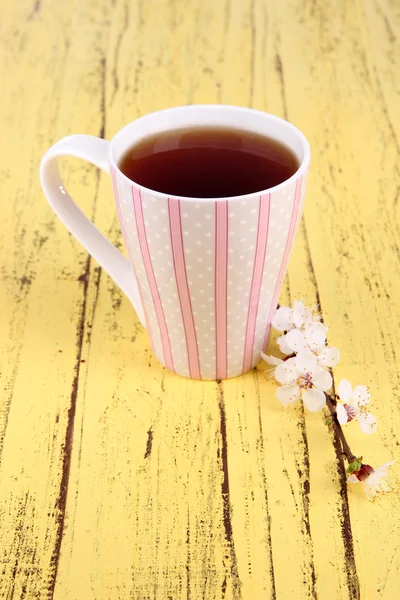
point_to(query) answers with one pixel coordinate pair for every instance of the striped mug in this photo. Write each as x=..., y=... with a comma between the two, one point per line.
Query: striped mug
x=203, y=275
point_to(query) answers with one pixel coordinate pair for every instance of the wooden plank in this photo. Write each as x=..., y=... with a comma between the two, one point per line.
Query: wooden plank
x=359, y=241
x=45, y=294
x=117, y=478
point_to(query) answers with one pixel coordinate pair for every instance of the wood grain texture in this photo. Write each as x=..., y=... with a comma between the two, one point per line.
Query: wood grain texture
x=117, y=479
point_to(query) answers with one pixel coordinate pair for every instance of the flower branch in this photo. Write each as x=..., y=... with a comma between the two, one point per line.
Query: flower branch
x=304, y=373
x=334, y=420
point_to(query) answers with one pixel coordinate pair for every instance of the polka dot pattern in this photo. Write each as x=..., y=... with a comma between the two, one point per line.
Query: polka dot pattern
x=279, y=236
x=243, y=223
x=163, y=265
x=281, y=209
x=198, y=219
x=134, y=251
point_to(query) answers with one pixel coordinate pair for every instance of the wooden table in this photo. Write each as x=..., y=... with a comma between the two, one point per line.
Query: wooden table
x=118, y=479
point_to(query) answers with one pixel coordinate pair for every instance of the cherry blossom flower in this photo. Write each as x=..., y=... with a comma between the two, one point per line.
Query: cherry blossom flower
x=287, y=318
x=301, y=376
x=312, y=338
x=373, y=480
x=354, y=406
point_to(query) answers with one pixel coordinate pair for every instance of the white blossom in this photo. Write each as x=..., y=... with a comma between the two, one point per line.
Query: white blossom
x=297, y=317
x=311, y=338
x=354, y=406
x=373, y=480
x=301, y=376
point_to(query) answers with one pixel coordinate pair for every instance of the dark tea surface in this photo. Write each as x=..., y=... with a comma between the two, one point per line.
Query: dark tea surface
x=208, y=162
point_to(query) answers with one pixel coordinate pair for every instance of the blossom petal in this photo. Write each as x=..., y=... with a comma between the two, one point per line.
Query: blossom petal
x=286, y=372
x=361, y=395
x=301, y=315
x=342, y=415
x=282, y=320
x=322, y=379
x=305, y=361
x=271, y=360
x=314, y=400
x=315, y=336
x=283, y=345
x=296, y=341
x=353, y=479
x=376, y=483
x=345, y=391
x=329, y=357
x=383, y=469
x=368, y=423
x=287, y=394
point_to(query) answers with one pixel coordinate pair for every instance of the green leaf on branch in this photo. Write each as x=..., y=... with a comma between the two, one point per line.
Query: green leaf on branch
x=355, y=465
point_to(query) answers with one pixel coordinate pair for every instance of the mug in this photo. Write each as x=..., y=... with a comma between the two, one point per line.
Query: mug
x=204, y=274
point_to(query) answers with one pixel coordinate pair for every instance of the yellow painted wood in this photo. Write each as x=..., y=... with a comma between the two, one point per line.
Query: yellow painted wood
x=117, y=479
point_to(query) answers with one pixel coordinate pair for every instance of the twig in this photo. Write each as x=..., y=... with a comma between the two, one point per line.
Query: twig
x=345, y=446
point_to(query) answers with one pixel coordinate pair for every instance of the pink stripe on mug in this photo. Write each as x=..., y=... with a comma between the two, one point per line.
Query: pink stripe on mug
x=282, y=270
x=178, y=254
x=221, y=288
x=258, y=270
x=118, y=205
x=144, y=247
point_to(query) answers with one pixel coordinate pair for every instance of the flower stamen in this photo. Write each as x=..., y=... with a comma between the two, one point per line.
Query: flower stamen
x=305, y=381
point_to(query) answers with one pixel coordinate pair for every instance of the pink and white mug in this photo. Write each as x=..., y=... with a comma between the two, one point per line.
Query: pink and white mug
x=204, y=275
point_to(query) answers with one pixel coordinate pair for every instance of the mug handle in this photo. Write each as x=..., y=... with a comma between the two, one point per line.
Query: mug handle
x=95, y=150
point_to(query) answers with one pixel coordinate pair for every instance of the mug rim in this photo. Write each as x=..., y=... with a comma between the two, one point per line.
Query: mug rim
x=242, y=109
